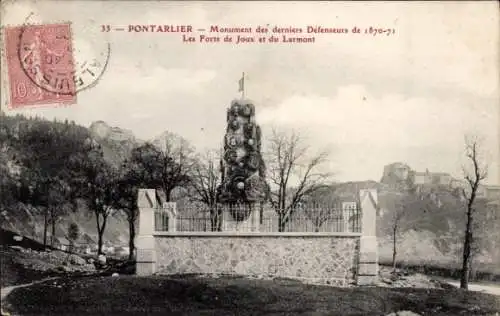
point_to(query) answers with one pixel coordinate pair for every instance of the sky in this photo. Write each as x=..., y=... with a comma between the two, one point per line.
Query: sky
x=372, y=100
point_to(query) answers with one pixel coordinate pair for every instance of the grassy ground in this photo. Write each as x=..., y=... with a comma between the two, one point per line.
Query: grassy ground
x=191, y=295
x=486, y=273
x=21, y=267
x=446, y=271
x=15, y=273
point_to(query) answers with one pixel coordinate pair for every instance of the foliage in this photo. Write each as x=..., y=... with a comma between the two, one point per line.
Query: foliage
x=151, y=167
x=34, y=155
x=10, y=179
x=73, y=232
x=127, y=186
x=57, y=167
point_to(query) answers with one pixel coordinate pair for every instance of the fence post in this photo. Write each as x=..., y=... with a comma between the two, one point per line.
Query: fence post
x=146, y=253
x=256, y=217
x=171, y=208
x=348, y=209
x=368, y=248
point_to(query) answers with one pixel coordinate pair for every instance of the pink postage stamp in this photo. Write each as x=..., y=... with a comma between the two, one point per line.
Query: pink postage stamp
x=40, y=65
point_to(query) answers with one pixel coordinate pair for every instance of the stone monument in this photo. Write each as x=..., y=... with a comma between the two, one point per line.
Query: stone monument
x=243, y=186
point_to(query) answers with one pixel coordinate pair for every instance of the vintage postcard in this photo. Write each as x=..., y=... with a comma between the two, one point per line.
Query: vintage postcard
x=250, y=158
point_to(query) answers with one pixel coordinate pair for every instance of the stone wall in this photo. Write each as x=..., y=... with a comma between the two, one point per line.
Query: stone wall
x=322, y=258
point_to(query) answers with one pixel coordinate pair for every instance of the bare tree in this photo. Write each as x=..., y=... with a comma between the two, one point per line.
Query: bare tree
x=397, y=215
x=126, y=201
x=407, y=210
x=60, y=205
x=96, y=182
x=49, y=194
x=176, y=157
x=474, y=174
x=402, y=205
x=205, y=179
x=321, y=205
x=102, y=195
x=319, y=213
x=293, y=173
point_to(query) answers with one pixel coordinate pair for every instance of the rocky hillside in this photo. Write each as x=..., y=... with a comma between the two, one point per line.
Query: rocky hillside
x=21, y=217
x=27, y=222
x=117, y=143
x=430, y=222
x=18, y=215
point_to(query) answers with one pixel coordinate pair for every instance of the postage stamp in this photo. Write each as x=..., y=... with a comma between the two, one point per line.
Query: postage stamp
x=40, y=65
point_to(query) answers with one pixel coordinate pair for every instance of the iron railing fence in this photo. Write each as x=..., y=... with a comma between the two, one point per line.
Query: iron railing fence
x=161, y=220
x=307, y=218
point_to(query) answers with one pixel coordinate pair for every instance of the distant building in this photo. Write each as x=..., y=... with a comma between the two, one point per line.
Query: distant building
x=481, y=192
x=436, y=178
x=61, y=243
x=494, y=206
x=489, y=192
x=397, y=171
x=493, y=192
x=457, y=184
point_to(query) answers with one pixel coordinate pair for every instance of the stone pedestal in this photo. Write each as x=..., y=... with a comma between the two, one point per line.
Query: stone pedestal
x=146, y=253
x=146, y=256
x=368, y=261
x=250, y=224
x=368, y=247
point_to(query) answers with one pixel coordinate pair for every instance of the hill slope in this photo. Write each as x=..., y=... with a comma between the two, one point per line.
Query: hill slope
x=15, y=157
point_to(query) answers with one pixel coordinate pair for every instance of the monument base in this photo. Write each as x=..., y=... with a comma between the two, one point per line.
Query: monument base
x=249, y=224
x=368, y=261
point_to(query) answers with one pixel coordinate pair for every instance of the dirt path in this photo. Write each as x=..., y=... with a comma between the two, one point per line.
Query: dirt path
x=6, y=290
x=479, y=287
